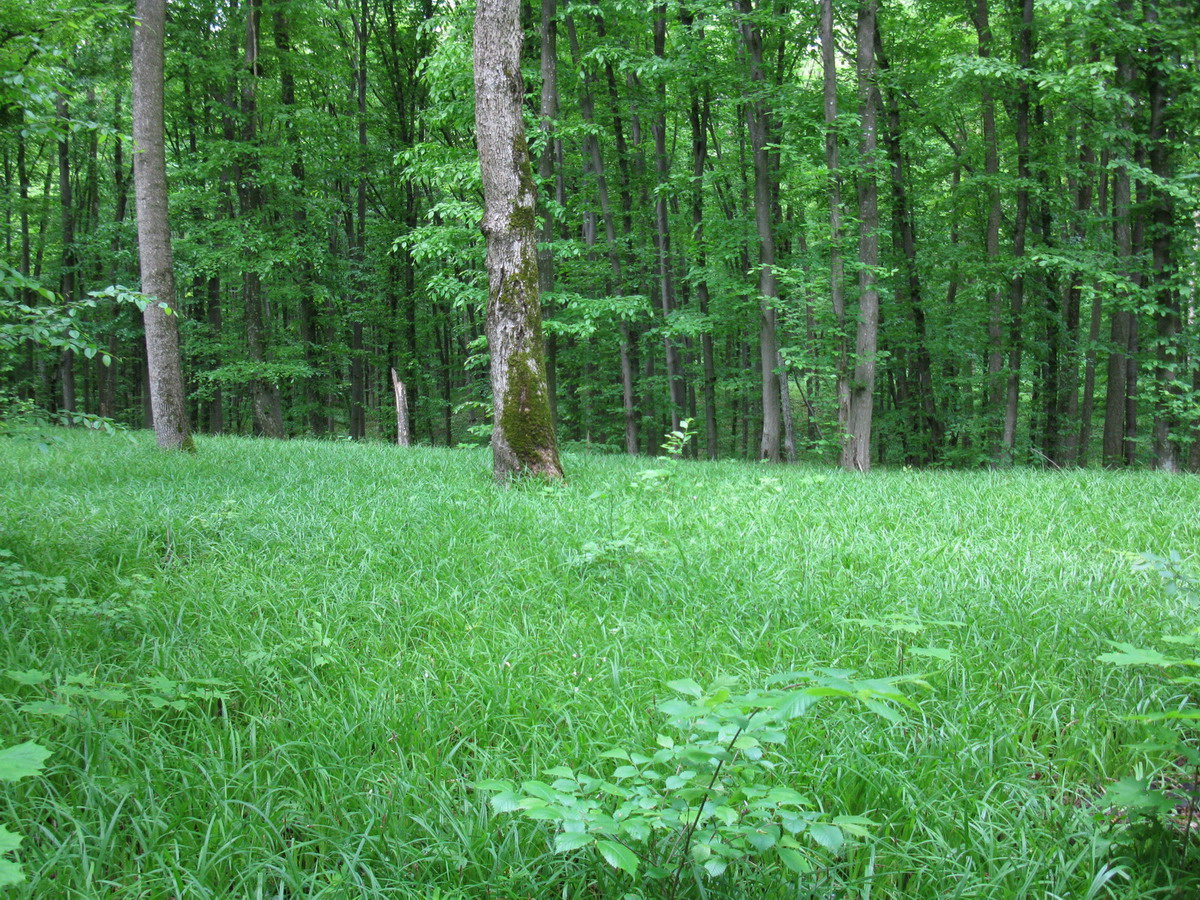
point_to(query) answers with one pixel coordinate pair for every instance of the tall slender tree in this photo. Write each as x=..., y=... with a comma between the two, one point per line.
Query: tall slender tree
x=523, y=441
x=167, y=398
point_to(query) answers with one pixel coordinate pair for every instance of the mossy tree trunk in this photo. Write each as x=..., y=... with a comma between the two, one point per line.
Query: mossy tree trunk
x=154, y=234
x=523, y=441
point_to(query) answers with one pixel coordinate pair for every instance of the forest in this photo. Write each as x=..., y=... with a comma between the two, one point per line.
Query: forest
x=936, y=233
x=603, y=450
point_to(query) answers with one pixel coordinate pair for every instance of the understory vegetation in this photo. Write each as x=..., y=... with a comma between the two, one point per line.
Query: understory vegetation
x=302, y=669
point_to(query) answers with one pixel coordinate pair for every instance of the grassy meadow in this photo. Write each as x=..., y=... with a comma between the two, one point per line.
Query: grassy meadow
x=277, y=670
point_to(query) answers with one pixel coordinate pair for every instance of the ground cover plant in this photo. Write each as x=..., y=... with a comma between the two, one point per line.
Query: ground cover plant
x=285, y=669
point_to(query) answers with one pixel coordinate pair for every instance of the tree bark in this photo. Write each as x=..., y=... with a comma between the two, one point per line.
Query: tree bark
x=523, y=441
x=698, y=119
x=856, y=454
x=1122, y=324
x=167, y=400
x=267, y=406
x=1017, y=289
x=68, y=283
x=403, y=433
x=677, y=389
x=910, y=285
x=768, y=288
x=837, y=269
x=1167, y=308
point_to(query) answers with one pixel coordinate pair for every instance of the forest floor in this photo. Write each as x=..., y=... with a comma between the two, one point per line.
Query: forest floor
x=279, y=669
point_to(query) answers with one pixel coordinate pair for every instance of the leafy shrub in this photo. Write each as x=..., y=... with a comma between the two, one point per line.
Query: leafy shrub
x=707, y=798
x=1174, y=794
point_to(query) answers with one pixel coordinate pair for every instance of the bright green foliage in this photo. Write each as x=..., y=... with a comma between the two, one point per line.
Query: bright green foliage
x=22, y=761
x=1175, y=791
x=392, y=630
x=708, y=798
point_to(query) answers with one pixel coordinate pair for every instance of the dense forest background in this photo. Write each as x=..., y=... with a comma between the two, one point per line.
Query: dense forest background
x=930, y=232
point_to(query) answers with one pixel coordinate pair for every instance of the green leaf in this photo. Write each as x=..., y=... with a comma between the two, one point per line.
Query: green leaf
x=795, y=860
x=107, y=695
x=46, y=708
x=856, y=825
x=716, y=866
x=828, y=836
x=29, y=676
x=686, y=686
x=22, y=761
x=617, y=856
x=508, y=801
x=8, y=840
x=572, y=840
x=762, y=840
x=10, y=873
x=1135, y=656
x=493, y=786
x=1136, y=794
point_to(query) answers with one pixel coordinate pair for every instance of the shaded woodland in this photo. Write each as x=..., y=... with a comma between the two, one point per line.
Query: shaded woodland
x=926, y=233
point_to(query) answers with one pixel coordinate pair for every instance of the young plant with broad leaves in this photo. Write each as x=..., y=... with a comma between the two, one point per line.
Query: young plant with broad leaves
x=1174, y=794
x=22, y=761
x=707, y=798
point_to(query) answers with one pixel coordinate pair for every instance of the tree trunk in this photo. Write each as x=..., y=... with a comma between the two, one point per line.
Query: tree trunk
x=1020, y=227
x=991, y=168
x=68, y=283
x=910, y=285
x=594, y=162
x=403, y=433
x=267, y=406
x=1122, y=319
x=523, y=439
x=837, y=270
x=662, y=231
x=167, y=400
x=1167, y=308
x=698, y=119
x=768, y=288
x=856, y=454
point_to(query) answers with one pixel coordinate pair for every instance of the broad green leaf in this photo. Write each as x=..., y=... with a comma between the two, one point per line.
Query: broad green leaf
x=617, y=856
x=46, y=708
x=493, y=786
x=22, y=761
x=762, y=839
x=856, y=825
x=716, y=866
x=507, y=801
x=882, y=709
x=8, y=840
x=1130, y=655
x=686, y=686
x=1133, y=793
x=795, y=860
x=828, y=836
x=571, y=840
x=107, y=695
x=10, y=873
x=29, y=676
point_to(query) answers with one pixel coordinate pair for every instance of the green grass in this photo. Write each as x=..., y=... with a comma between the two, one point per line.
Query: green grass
x=393, y=627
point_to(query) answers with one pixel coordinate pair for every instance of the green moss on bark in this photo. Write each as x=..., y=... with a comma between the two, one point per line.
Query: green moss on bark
x=525, y=419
